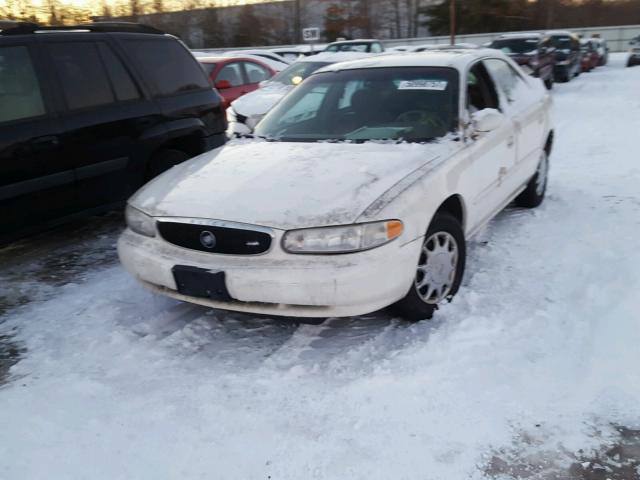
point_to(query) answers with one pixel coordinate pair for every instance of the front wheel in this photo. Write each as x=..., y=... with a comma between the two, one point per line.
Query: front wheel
x=533, y=194
x=439, y=270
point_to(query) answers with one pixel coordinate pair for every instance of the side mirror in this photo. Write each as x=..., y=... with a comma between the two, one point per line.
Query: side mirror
x=222, y=84
x=486, y=120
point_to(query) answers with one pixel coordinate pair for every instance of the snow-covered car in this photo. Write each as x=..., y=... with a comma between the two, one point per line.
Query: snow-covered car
x=246, y=112
x=359, y=192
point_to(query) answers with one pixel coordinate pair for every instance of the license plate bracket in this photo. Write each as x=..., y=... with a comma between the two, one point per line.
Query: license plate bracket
x=201, y=283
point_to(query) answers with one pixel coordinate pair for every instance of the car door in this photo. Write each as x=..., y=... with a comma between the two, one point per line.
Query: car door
x=525, y=105
x=490, y=155
x=231, y=72
x=103, y=110
x=37, y=182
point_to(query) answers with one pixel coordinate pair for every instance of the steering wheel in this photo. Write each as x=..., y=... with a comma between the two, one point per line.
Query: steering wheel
x=420, y=116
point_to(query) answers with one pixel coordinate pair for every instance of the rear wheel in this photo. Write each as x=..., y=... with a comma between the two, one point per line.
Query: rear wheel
x=533, y=195
x=549, y=83
x=439, y=271
x=164, y=160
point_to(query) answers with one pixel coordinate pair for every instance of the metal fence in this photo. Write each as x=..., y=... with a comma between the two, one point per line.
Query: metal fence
x=617, y=38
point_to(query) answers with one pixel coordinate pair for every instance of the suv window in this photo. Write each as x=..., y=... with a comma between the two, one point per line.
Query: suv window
x=122, y=82
x=506, y=78
x=174, y=70
x=20, y=95
x=256, y=73
x=481, y=92
x=82, y=75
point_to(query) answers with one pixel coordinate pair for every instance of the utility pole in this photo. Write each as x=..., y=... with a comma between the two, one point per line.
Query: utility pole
x=298, y=20
x=452, y=21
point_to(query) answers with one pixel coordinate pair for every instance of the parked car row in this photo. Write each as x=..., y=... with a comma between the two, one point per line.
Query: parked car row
x=554, y=56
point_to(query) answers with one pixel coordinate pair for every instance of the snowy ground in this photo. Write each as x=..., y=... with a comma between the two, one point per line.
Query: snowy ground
x=533, y=371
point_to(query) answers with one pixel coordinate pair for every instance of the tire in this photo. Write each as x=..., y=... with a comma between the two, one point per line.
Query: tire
x=564, y=77
x=548, y=83
x=164, y=160
x=533, y=194
x=449, y=260
x=630, y=62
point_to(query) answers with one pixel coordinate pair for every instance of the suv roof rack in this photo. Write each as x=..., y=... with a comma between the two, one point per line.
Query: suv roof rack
x=8, y=27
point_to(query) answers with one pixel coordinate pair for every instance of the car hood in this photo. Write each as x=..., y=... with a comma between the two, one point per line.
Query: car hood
x=260, y=101
x=283, y=185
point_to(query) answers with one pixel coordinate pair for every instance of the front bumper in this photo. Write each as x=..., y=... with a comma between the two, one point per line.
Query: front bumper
x=278, y=283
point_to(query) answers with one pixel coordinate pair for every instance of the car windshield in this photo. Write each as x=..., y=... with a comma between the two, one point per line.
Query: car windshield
x=348, y=47
x=297, y=72
x=561, y=42
x=515, y=45
x=414, y=104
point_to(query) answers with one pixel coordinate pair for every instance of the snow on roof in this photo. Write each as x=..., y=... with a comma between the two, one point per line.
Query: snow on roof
x=457, y=58
x=521, y=35
x=558, y=32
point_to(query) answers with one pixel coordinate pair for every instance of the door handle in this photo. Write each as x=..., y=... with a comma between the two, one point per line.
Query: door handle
x=42, y=143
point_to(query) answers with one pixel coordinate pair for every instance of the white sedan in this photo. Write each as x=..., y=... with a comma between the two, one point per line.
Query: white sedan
x=359, y=192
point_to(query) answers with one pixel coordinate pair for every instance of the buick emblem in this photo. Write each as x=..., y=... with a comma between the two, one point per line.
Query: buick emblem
x=207, y=239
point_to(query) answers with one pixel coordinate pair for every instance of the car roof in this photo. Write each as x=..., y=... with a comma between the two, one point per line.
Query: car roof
x=458, y=58
x=222, y=58
x=555, y=33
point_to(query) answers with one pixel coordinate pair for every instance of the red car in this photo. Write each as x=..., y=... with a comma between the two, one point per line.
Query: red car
x=235, y=76
x=590, y=58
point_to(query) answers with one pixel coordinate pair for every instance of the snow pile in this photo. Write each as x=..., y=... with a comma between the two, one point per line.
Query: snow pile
x=540, y=350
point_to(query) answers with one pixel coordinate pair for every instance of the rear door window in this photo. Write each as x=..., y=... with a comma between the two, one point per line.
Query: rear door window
x=255, y=73
x=123, y=84
x=168, y=65
x=20, y=95
x=232, y=73
x=82, y=74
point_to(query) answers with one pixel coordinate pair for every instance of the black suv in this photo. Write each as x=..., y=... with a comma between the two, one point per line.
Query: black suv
x=91, y=112
x=531, y=49
x=568, y=55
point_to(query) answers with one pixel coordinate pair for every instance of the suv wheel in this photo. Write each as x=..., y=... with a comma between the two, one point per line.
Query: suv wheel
x=533, y=195
x=549, y=83
x=439, y=271
x=164, y=160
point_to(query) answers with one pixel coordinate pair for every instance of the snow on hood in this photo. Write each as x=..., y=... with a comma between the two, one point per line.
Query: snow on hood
x=283, y=185
x=260, y=101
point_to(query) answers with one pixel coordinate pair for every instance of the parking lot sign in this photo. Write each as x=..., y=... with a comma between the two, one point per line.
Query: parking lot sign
x=311, y=34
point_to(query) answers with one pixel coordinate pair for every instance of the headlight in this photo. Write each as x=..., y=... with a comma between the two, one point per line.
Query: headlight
x=343, y=239
x=231, y=115
x=139, y=222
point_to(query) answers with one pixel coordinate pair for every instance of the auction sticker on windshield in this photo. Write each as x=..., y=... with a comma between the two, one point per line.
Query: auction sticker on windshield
x=439, y=85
